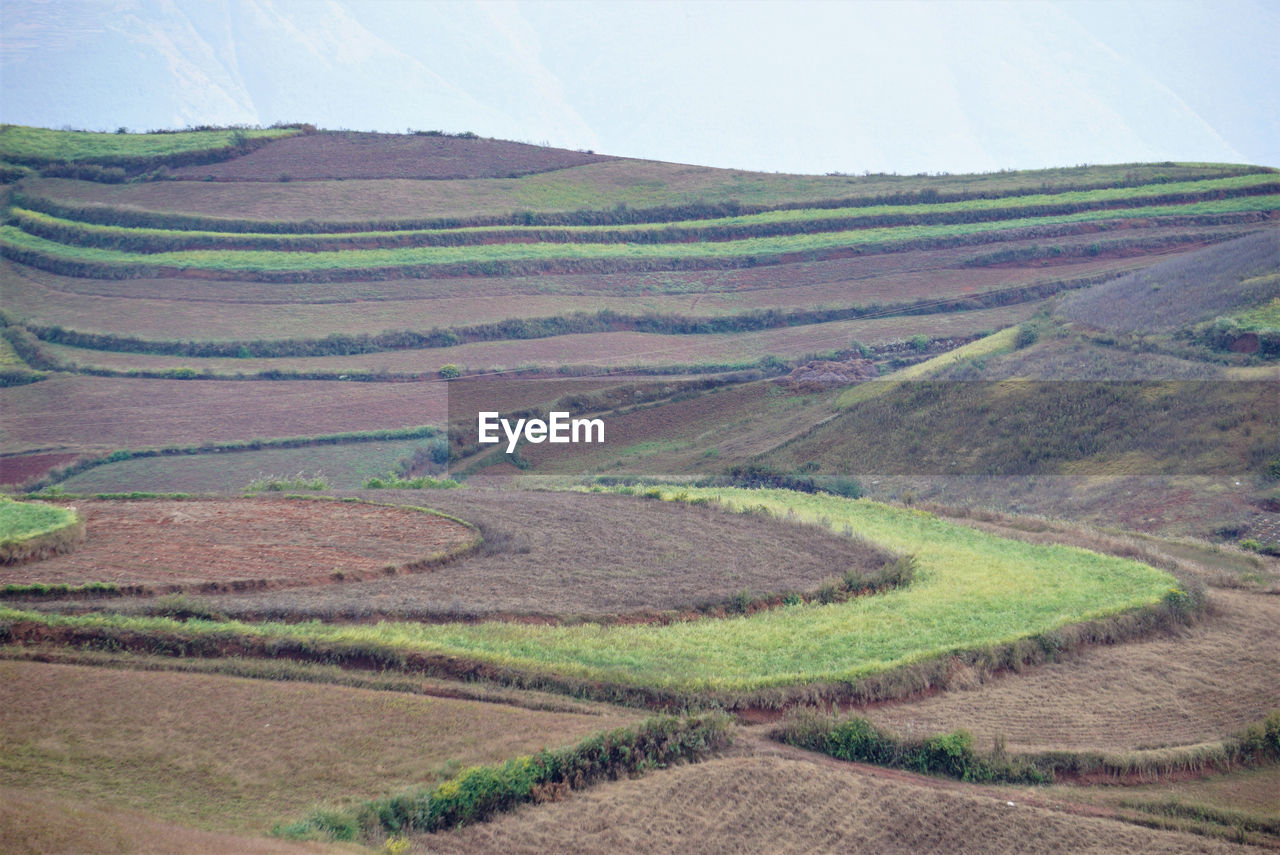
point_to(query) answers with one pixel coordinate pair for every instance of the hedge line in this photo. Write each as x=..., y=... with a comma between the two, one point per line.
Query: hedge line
x=74, y=233
x=953, y=754
x=481, y=791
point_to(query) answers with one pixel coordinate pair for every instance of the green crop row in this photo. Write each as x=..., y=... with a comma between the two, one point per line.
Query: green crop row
x=500, y=258
x=772, y=223
x=974, y=594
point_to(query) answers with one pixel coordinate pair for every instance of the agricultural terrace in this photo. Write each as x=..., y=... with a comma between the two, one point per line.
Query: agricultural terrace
x=972, y=592
x=166, y=315
x=798, y=803
x=638, y=190
x=782, y=222
x=154, y=544
x=21, y=245
x=1213, y=681
x=572, y=556
x=238, y=755
x=108, y=414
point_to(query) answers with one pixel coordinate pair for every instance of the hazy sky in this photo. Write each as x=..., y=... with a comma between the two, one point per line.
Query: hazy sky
x=795, y=87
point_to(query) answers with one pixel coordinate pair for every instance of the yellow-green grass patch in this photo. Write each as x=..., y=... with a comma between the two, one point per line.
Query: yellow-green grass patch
x=21, y=521
x=972, y=591
x=989, y=345
x=1263, y=317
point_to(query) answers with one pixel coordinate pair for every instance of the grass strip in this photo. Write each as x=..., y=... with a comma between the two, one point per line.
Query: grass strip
x=478, y=793
x=497, y=259
x=976, y=596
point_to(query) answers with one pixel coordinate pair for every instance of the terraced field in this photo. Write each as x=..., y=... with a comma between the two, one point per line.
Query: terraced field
x=288, y=310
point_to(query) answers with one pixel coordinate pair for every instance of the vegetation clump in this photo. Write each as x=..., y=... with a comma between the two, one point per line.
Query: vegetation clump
x=481, y=791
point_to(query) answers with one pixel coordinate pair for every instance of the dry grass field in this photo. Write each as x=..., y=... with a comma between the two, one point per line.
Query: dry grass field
x=1209, y=683
x=235, y=755
x=166, y=545
x=788, y=805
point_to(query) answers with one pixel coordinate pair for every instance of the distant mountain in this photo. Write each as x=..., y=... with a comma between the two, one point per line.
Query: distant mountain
x=797, y=87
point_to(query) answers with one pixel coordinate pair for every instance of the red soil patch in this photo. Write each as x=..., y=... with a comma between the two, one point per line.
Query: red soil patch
x=110, y=413
x=341, y=155
x=21, y=468
x=207, y=545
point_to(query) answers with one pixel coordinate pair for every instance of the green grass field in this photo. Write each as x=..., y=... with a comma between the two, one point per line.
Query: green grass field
x=24, y=520
x=20, y=141
x=972, y=590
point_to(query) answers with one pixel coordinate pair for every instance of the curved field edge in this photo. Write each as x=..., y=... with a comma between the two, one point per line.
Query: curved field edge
x=29, y=530
x=39, y=252
x=984, y=599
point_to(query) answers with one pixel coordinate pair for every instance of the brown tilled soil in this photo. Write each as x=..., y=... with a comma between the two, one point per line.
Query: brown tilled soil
x=239, y=755
x=783, y=805
x=1213, y=681
x=111, y=413
x=51, y=824
x=189, y=544
x=346, y=154
x=567, y=554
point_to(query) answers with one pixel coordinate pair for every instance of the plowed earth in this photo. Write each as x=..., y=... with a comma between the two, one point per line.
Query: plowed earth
x=236, y=544
x=342, y=155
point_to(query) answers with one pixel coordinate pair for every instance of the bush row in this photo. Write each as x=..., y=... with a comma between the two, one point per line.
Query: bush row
x=951, y=754
x=479, y=792
x=954, y=755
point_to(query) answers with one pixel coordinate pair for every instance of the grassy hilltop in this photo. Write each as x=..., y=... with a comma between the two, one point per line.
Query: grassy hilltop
x=971, y=476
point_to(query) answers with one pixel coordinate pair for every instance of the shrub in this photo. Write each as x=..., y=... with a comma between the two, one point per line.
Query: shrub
x=449, y=371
